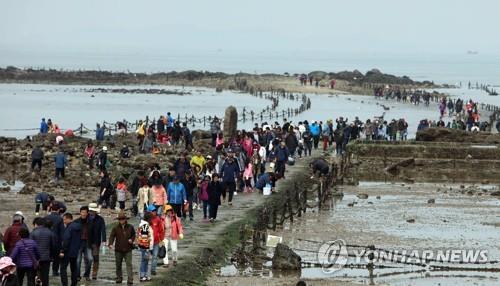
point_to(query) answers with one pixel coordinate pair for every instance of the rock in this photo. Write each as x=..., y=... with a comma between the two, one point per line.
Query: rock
x=495, y=194
x=27, y=190
x=68, y=200
x=230, y=122
x=228, y=271
x=462, y=187
x=411, y=220
x=377, y=197
x=362, y=196
x=286, y=259
x=4, y=189
x=431, y=201
x=201, y=134
x=350, y=204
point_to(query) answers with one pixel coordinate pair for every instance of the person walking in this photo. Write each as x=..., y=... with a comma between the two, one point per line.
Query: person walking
x=102, y=159
x=176, y=195
x=89, y=153
x=26, y=256
x=315, y=132
x=121, y=193
x=214, y=130
x=122, y=238
x=11, y=234
x=173, y=232
x=203, y=195
x=158, y=194
x=70, y=248
x=56, y=225
x=229, y=172
x=190, y=185
x=158, y=227
x=143, y=196
x=282, y=155
x=85, y=252
x=215, y=190
x=145, y=242
x=61, y=161
x=36, y=158
x=106, y=190
x=47, y=246
x=97, y=236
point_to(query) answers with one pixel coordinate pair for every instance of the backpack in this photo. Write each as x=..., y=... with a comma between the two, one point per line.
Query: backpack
x=143, y=239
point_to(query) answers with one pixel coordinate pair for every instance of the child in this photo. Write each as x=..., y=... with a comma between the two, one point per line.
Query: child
x=214, y=193
x=145, y=241
x=121, y=193
x=173, y=232
x=248, y=176
x=203, y=195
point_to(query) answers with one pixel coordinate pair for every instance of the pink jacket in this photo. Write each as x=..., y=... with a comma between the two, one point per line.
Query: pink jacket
x=248, y=173
x=158, y=196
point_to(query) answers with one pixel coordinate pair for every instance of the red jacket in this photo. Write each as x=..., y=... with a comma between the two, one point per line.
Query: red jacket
x=158, y=226
x=11, y=236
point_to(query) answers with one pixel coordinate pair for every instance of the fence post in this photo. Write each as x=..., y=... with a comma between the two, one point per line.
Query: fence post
x=81, y=129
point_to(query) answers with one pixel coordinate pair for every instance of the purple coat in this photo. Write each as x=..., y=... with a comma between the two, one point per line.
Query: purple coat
x=24, y=252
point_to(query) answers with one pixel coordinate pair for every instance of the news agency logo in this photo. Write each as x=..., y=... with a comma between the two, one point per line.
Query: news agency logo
x=332, y=255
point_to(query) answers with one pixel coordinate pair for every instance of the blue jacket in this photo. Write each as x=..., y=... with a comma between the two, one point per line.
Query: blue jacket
x=44, y=128
x=61, y=160
x=57, y=227
x=314, y=129
x=72, y=240
x=263, y=180
x=99, y=134
x=282, y=154
x=25, y=251
x=176, y=193
x=41, y=198
x=230, y=171
x=170, y=121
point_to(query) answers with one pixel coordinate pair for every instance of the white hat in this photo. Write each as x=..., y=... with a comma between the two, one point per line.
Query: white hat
x=19, y=213
x=94, y=207
x=104, y=148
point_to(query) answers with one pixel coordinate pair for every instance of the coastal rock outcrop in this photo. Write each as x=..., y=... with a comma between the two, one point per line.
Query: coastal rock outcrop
x=285, y=258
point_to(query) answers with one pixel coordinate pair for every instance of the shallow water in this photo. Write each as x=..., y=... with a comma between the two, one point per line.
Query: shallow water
x=18, y=185
x=67, y=105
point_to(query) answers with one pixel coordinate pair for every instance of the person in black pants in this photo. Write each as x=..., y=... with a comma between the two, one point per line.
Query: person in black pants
x=215, y=189
x=229, y=172
x=70, y=247
x=46, y=242
x=36, y=158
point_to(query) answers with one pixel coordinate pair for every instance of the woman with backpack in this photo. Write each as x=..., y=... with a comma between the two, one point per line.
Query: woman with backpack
x=26, y=256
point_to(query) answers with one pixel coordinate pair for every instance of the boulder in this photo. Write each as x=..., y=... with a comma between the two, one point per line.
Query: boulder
x=362, y=196
x=285, y=258
x=431, y=201
x=230, y=122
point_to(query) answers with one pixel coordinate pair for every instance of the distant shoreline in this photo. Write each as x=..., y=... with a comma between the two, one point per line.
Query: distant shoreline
x=345, y=82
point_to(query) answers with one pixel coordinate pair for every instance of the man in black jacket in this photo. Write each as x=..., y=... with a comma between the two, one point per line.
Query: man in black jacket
x=56, y=225
x=47, y=246
x=85, y=251
x=97, y=236
x=36, y=158
x=189, y=183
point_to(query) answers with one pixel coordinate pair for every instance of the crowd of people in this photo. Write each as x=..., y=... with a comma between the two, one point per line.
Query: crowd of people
x=161, y=198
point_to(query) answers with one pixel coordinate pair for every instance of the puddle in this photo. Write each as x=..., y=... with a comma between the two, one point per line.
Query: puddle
x=18, y=186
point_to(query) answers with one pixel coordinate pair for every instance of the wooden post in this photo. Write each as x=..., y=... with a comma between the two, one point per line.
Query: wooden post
x=81, y=129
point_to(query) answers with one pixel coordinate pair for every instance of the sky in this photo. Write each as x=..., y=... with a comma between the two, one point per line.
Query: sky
x=282, y=26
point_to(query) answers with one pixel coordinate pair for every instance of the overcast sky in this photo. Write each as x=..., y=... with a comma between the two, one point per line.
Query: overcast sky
x=128, y=26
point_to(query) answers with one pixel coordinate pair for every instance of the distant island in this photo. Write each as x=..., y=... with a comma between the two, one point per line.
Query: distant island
x=347, y=81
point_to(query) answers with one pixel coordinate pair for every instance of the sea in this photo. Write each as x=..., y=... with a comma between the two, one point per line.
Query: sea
x=23, y=105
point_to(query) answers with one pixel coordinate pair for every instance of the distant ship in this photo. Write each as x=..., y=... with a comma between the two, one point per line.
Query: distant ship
x=472, y=52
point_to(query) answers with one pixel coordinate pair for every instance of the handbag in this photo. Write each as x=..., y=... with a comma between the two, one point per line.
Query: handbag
x=162, y=252
x=36, y=263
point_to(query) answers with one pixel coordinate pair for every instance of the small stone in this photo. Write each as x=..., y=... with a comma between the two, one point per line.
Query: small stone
x=411, y=220
x=431, y=201
x=362, y=196
x=378, y=197
x=350, y=204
